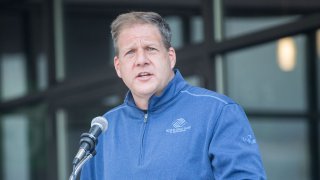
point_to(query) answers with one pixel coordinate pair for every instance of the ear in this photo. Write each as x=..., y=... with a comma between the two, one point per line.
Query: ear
x=172, y=57
x=116, y=63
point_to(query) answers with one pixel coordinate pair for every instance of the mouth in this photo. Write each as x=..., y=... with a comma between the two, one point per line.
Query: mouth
x=144, y=75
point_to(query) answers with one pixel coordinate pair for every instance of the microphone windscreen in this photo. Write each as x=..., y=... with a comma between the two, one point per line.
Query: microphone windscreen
x=101, y=122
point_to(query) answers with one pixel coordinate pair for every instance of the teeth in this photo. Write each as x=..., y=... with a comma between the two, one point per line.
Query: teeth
x=143, y=74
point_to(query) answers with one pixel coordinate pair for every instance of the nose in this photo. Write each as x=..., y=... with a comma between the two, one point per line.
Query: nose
x=142, y=58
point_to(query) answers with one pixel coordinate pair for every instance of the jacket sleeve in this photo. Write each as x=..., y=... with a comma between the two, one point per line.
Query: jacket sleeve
x=233, y=149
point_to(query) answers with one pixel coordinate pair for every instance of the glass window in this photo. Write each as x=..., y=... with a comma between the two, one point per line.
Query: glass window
x=284, y=147
x=42, y=71
x=196, y=29
x=13, y=71
x=195, y=80
x=175, y=24
x=88, y=47
x=17, y=140
x=22, y=144
x=256, y=81
x=13, y=76
x=23, y=63
x=40, y=54
x=236, y=26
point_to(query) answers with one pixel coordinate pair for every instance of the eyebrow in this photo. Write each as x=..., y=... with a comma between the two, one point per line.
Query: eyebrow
x=146, y=44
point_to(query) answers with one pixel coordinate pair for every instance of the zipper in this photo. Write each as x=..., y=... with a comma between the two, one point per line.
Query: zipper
x=145, y=118
x=144, y=125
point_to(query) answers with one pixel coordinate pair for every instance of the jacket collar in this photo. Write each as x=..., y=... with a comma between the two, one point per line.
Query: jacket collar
x=172, y=89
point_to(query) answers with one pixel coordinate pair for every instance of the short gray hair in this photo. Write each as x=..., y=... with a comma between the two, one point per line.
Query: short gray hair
x=131, y=18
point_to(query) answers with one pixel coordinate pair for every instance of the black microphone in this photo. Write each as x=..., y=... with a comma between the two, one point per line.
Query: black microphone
x=89, y=140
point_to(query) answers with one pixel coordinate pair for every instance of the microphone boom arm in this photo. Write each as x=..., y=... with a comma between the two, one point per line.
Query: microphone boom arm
x=78, y=167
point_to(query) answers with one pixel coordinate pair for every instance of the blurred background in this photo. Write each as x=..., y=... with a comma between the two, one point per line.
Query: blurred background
x=56, y=75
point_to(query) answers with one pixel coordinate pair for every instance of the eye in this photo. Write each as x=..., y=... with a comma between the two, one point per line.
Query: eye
x=151, y=49
x=129, y=52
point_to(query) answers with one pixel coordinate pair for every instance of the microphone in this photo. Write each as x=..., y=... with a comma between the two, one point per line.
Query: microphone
x=89, y=140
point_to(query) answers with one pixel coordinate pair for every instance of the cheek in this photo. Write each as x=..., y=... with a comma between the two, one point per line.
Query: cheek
x=125, y=72
x=118, y=72
x=168, y=65
x=123, y=68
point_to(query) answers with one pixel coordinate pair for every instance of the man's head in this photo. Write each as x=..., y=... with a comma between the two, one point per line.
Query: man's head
x=128, y=19
x=144, y=58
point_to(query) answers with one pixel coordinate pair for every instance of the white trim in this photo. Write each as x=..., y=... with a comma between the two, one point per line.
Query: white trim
x=116, y=109
x=205, y=95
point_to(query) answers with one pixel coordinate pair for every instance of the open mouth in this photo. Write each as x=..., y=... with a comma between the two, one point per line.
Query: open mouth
x=144, y=74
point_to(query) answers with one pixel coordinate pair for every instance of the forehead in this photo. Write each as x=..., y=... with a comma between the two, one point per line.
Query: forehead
x=143, y=31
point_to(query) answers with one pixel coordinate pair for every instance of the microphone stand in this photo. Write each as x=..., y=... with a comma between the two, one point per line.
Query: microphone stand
x=77, y=167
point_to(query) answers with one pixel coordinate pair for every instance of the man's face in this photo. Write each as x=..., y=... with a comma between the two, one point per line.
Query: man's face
x=143, y=62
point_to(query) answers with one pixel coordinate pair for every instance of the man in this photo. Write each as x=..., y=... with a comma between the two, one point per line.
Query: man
x=167, y=129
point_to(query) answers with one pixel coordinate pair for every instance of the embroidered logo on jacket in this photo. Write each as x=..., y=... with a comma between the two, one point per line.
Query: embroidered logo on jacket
x=249, y=139
x=179, y=125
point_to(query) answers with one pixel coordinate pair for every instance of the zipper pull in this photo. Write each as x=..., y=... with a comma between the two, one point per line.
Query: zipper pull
x=145, y=118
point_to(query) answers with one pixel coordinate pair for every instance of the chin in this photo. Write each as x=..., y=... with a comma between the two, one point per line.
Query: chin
x=145, y=92
x=145, y=88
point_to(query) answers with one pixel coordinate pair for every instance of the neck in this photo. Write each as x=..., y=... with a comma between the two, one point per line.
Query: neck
x=142, y=103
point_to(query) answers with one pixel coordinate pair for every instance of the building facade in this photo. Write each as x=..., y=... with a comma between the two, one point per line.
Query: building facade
x=56, y=75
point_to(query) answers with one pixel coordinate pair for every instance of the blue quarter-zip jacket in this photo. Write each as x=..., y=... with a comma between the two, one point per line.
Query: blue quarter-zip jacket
x=187, y=133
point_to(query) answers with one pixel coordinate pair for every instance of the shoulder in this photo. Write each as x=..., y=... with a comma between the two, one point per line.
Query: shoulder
x=114, y=111
x=208, y=95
